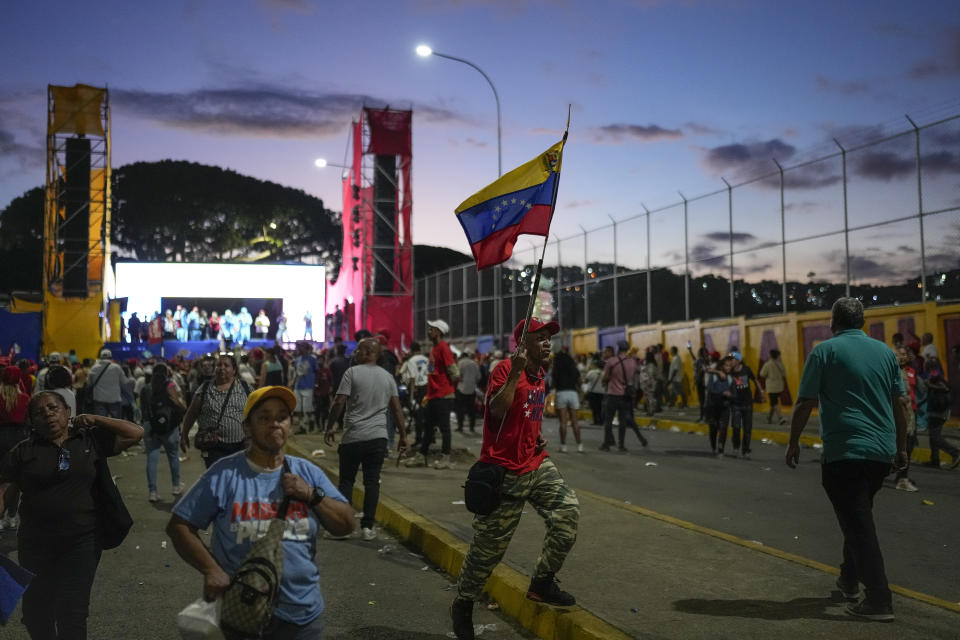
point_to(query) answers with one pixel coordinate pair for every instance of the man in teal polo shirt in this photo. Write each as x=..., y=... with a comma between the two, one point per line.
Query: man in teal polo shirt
x=856, y=381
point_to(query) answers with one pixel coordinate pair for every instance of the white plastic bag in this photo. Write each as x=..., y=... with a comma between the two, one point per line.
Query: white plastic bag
x=200, y=620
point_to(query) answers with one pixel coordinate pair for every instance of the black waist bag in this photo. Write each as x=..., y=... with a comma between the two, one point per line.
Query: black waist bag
x=481, y=492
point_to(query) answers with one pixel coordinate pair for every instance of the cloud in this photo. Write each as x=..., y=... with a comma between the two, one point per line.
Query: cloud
x=577, y=204
x=724, y=236
x=864, y=268
x=302, y=6
x=597, y=79
x=698, y=129
x=26, y=157
x=706, y=255
x=906, y=249
x=846, y=88
x=883, y=165
x=735, y=157
x=945, y=63
x=620, y=133
x=257, y=111
x=744, y=270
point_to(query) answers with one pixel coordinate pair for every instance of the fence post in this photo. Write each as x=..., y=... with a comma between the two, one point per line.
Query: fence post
x=846, y=221
x=783, y=242
x=923, y=248
x=559, y=283
x=730, y=216
x=616, y=296
x=649, y=284
x=586, y=296
x=686, y=261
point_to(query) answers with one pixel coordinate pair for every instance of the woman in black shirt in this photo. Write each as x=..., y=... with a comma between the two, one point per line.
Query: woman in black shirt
x=57, y=541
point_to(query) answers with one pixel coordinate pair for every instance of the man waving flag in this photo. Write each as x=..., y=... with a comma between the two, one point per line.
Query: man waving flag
x=521, y=201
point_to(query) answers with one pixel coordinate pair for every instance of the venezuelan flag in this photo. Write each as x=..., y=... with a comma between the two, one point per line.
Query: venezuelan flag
x=521, y=201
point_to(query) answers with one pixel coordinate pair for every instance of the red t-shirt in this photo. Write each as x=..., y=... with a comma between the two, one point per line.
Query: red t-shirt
x=18, y=413
x=439, y=384
x=515, y=449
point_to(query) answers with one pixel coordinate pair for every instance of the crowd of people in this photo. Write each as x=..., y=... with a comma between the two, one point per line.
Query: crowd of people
x=241, y=408
x=232, y=330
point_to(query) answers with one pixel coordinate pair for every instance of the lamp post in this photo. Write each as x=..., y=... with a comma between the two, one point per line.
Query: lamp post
x=320, y=163
x=424, y=51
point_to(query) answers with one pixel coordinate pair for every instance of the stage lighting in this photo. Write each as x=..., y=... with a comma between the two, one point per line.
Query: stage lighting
x=423, y=51
x=320, y=163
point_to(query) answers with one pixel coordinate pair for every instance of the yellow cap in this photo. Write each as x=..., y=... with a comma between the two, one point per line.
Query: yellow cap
x=264, y=393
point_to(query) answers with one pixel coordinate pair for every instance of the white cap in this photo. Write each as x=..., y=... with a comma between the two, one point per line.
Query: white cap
x=106, y=354
x=439, y=324
x=54, y=356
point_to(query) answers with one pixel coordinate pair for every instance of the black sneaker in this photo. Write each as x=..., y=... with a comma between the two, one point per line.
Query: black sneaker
x=875, y=612
x=956, y=461
x=546, y=590
x=848, y=591
x=461, y=612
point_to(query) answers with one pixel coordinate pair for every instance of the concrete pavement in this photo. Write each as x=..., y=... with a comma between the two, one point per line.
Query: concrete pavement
x=638, y=573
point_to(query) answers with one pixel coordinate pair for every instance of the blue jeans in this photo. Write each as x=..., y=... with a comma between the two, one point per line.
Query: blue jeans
x=195, y=334
x=108, y=409
x=182, y=334
x=243, y=335
x=169, y=443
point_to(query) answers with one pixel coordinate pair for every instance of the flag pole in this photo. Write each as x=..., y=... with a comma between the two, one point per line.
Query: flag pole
x=546, y=239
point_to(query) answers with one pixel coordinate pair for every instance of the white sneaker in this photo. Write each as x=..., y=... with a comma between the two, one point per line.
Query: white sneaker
x=580, y=448
x=13, y=522
x=563, y=448
x=177, y=490
x=906, y=484
x=154, y=497
x=415, y=461
x=443, y=462
x=369, y=534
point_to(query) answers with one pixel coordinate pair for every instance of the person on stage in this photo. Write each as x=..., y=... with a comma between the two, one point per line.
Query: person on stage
x=512, y=439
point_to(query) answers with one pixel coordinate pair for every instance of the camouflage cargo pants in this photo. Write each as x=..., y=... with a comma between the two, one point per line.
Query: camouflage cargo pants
x=556, y=503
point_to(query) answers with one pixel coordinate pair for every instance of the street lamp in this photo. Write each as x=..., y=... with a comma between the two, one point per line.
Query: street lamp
x=424, y=51
x=320, y=163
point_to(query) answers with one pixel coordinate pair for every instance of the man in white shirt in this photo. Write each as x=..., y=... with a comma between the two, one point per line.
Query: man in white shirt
x=105, y=382
x=466, y=391
x=414, y=374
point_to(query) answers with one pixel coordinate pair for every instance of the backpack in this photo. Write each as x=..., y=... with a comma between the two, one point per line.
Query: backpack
x=163, y=415
x=938, y=400
x=248, y=602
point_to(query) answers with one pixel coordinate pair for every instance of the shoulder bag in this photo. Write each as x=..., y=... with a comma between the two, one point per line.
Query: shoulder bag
x=248, y=602
x=210, y=438
x=113, y=518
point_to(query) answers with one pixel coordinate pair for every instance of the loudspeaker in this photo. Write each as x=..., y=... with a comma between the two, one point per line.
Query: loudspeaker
x=385, y=203
x=74, y=232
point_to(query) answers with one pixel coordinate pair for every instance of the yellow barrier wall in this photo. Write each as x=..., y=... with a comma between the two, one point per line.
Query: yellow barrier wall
x=794, y=334
x=584, y=341
x=72, y=323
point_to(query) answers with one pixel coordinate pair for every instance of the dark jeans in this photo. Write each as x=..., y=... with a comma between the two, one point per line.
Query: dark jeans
x=465, y=407
x=437, y=414
x=370, y=455
x=220, y=451
x=596, y=407
x=623, y=408
x=418, y=412
x=701, y=398
x=937, y=441
x=56, y=605
x=718, y=415
x=108, y=409
x=741, y=417
x=851, y=485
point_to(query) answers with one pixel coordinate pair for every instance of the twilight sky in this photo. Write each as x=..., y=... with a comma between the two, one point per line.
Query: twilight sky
x=667, y=95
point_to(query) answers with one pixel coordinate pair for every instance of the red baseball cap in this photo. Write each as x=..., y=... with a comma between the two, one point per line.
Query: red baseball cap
x=535, y=325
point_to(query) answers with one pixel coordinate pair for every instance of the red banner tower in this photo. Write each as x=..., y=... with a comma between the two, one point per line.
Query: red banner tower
x=374, y=289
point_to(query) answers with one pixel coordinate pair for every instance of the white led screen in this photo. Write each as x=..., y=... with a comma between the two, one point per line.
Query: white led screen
x=301, y=287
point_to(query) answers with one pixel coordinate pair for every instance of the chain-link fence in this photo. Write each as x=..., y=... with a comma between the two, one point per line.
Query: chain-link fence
x=879, y=220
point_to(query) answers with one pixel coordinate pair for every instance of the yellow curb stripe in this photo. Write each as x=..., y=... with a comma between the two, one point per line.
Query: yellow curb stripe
x=506, y=586
x=920, y=454
x=777, y=553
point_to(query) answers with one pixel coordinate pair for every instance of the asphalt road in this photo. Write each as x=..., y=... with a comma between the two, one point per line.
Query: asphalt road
x=376, y=590
x=762, y=499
